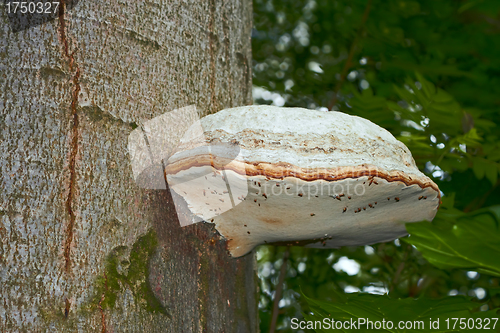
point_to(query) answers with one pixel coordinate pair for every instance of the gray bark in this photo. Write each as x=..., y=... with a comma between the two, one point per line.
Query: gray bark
x=82, y=247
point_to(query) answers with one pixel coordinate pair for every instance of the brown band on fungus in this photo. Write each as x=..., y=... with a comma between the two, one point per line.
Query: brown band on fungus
x=281, y=170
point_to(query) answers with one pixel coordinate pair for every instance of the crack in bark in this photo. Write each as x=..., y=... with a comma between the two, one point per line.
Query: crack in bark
x=103, y=317
x=211, y=37
x=74, y=138
x=67, y=308
x=243, y=60
x=227, y=42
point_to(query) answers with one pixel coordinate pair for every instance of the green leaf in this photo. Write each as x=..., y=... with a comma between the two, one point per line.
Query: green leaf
x=468, y=5
x=471, y=138
x=360, y=308
x=492, y=173
x=479, y=166
x=442, y=97
x=473, y=242
x=427, y=87
x=483, y=167
x=493, y=153
x=495, y=210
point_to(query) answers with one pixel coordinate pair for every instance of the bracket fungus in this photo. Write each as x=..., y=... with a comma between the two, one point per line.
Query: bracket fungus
x=298, y=176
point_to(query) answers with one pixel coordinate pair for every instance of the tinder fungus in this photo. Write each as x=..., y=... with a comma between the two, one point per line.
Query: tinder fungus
x=265, y=174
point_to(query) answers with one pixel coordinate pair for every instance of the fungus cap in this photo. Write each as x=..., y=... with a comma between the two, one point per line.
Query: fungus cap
x=325, y=179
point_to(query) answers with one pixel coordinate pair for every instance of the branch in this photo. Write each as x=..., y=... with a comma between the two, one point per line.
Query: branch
x=401, y=266
x=279, y=289
x=477, y=203
x=348, y=62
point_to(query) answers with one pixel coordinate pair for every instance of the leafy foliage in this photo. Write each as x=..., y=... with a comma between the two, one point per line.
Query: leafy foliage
x=428, y=71
x=472, y=241
x=417, y=315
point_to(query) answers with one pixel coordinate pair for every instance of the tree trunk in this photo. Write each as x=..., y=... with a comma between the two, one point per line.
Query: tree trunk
x=82, y=247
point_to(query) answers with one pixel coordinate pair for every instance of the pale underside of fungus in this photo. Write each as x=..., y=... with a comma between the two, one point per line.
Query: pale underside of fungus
x=265, y=174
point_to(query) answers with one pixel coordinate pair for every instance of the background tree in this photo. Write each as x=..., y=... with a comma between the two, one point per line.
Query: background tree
x=82, y=248
x=428, y=72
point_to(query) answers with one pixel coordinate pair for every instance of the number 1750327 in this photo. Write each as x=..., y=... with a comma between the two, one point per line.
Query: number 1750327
x=32, y=7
